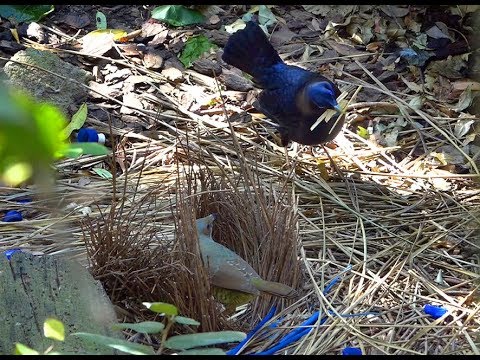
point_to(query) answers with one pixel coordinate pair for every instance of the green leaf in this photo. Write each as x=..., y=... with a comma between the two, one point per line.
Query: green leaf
x=177, y=15
x=265, y=16
x=54, y=329
x=118, y=344
x=78, y=119
x=31, y=134
x=101, y=20
x=161, y=308
x=194, y=48
x=211, y=351
x=21, y=349
x=146, y=327
x=25, y=13
x=362, y=132
x=103, y=173
x=183, y=342
x=91, y=148
x=186, y=321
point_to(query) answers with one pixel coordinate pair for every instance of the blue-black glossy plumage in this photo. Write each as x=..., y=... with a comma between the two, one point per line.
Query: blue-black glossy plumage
x=290, y=94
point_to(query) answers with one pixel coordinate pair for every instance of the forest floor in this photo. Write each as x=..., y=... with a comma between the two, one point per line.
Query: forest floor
x=388, y=211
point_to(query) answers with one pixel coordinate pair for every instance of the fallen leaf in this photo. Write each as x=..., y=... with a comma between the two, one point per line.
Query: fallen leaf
x=98, y=42
x=395, y=11
x=438, y=182
x=344, y=49
x=195, y=47
x=436, y=33
x=214, y=19
x=282, y=36
x=265, y=16
x=452, y=67
x=172, y=74
x=330, y=10
x=461, y=85
x=239, y=24
x=416, y=102
x=465, y=100
x=101, y=20
x=462, y=127
x=177, y=15
x=411, y=85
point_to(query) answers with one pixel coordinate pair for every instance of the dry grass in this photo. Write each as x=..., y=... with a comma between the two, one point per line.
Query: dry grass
x=380, y=211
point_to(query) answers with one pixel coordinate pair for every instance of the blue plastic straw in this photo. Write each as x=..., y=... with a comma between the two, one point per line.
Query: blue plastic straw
x=252, y=332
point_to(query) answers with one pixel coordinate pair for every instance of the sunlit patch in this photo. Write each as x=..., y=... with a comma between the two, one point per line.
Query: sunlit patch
x=17, y=173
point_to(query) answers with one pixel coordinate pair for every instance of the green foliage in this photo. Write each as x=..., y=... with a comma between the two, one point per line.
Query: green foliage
x=118, y=344
x=145, y=327
x=177, y=15
x=161, y=308
x=103, y=173
x=33, y=134
x=21, y=349
x=209, y=351
x=185, y=342
x=186, y=321
x=194, y=48
x=25, y=13
x=29, y=136
x=265, y=16
x=77, y=149
x=54, y=329
x=101, y=20
x=362, y=132
x=78, y=119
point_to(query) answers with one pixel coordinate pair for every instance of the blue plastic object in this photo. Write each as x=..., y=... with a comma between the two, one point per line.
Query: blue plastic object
x=87, y=135
x=352, y=351
x=253, y=332
x=294, y=335
x=434, y=311
x=9, y=253
x=24, y=201
x=12, y=216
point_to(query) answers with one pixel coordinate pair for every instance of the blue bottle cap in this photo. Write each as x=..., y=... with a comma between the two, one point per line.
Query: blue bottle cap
x=87, y=135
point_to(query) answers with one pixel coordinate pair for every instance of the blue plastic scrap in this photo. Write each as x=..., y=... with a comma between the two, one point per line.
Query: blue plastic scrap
x=352, y=351
x=434, y=311
x=9, y=253
x=12, y=216
x=253, y=332
x=299, y=331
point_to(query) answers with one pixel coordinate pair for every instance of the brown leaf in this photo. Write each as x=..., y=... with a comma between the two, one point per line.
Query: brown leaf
x=130, y=99
x=330, y=10
x=395, y=11
x=437, y=33
x=344, y=49
x=282, y=36
x=97, y=45
x=159, y=38
x=153, y=28
x=173, y=74
x=153, y=58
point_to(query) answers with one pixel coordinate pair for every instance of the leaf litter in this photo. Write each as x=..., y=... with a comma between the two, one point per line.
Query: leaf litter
x=392, y=198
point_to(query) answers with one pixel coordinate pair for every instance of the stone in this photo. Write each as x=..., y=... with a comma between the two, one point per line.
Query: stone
x=45, y=86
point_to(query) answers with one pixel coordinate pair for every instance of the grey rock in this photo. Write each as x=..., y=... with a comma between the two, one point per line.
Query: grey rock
x=45, y=86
